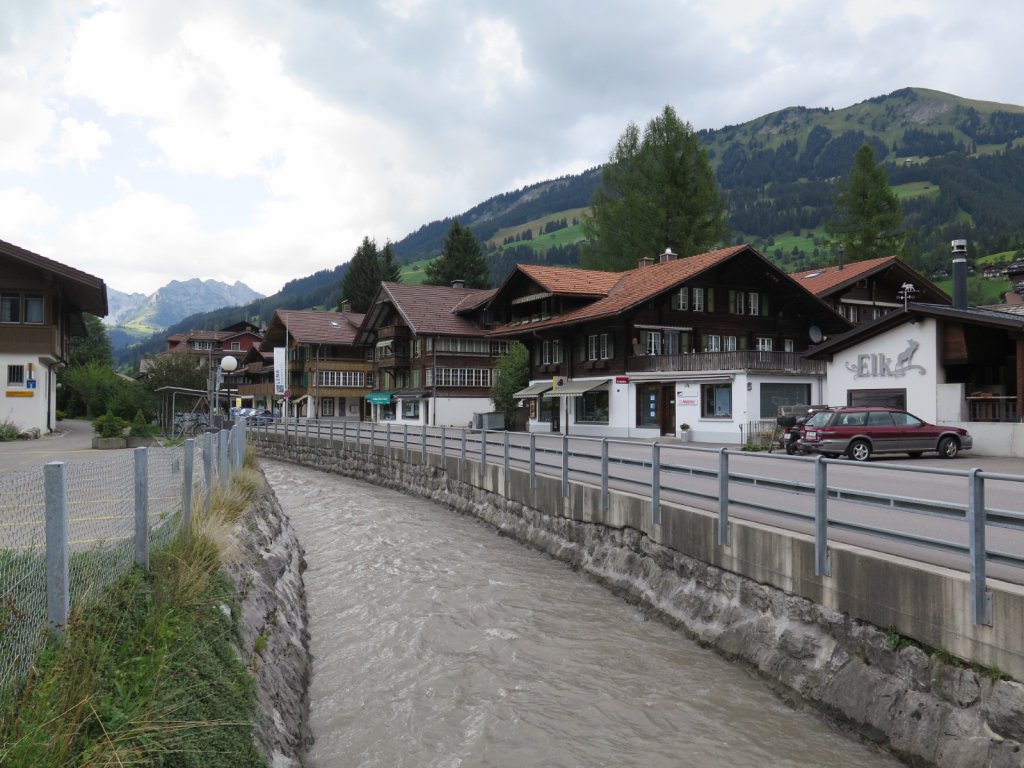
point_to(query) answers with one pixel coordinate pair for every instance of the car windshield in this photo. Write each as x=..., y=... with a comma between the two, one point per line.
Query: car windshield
x=820, y=419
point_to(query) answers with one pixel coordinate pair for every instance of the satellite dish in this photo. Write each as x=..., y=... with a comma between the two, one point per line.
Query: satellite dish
x=815, y=333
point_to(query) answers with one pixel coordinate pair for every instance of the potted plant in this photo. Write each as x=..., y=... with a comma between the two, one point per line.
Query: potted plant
x=684, y=432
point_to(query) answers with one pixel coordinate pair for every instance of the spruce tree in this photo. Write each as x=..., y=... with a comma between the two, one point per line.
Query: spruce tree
x=461, y=259
x=868, y=216
x=362, y=280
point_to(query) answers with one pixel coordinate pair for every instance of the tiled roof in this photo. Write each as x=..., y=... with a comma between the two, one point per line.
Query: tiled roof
x=570, y=280
x=432, y=308
x=475, y=300
x=631, y=288
x=311, y=327
x=826, y=279
x=1010, y=309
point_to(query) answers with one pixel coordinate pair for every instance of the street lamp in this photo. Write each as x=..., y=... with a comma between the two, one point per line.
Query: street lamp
x=228, y=363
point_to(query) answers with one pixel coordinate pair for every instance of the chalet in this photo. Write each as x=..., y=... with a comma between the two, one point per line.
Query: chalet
x=316, y=369
x=713, y=341
x=233, y=340
x=433, y=355
x=867, y=290
x=41, y=306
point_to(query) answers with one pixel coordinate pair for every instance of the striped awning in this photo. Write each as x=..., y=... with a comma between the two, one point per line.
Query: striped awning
x=534, y=390
x=576, y=387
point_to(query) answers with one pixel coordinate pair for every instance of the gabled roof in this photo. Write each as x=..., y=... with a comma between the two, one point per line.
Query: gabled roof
x=430, y=309
x=825, y=281
x=571, y=281
x=632, y=288
x=311, y=327
x=84, y=291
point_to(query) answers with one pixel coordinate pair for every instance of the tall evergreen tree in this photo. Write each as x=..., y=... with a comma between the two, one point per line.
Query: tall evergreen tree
x=868, y=216
x=365, y=273
x=657, y=191
x=461, y=259
x=511, y=375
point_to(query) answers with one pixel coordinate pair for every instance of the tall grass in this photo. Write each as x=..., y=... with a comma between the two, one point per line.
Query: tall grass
x=147, y=673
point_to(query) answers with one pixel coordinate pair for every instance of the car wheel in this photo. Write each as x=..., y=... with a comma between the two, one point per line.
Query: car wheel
x=915, y=454
x=830, y=455
x=948, y=448
x=859, y=450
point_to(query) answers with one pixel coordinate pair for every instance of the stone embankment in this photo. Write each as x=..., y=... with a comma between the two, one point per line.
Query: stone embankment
x=922, y=705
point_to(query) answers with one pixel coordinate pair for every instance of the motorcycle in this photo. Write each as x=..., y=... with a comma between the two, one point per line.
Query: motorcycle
x=792, y=426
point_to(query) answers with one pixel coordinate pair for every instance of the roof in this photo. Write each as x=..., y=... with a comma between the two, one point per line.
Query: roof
x=571, y=281
x=827, y=280
x=311, y=327
x=983, y=316
x=432, y=309
x=86, y=292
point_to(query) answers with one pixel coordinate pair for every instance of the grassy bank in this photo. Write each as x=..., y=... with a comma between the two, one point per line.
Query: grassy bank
x=147, y=674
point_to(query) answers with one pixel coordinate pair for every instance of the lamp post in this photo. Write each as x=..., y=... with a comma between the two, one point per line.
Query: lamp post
x=228, y=363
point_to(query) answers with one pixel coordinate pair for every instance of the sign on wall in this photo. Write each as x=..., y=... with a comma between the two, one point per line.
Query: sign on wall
x=280, y=370
x=872, y=365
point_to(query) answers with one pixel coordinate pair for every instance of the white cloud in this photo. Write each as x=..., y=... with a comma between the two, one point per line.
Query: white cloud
x=499, y=57
x=26, y=122
x=81, y=142
x=24, y=213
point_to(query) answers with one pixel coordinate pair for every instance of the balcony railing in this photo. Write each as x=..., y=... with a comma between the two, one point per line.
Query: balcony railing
x=749, y=360
x=992, y=408
x=393, y=332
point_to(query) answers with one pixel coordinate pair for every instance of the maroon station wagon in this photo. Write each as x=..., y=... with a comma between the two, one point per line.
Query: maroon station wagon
x=861, y=432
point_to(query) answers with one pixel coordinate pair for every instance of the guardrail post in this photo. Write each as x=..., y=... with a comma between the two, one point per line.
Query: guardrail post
x=656, y=483
x=423, y=444
x=208, y=466
x=405, y=440
x=58, y=592
x=506, y=455
x=483, y=450
x=822, y=564
x=723, y=498
x=186, y=486
x=330, y=432
x=981, y=600
x=344, y=435
x=533, y=460
x=604, y=473
x=444, y=446
x=462, y=458
x=373, y=437
x=142, y=508
x=307, y=431
x=565, y=466
x=387, y=438
x=222, y=456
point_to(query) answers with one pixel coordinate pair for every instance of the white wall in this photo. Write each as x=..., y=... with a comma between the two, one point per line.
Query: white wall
x=27, y=412
x=862, y=367
x=456, y=411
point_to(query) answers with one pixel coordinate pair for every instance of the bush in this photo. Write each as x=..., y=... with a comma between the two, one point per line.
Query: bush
x=8, y=431
x=109, y=425
x=140, y=427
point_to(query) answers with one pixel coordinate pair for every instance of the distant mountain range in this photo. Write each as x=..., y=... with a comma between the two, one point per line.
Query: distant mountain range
x=957, y=166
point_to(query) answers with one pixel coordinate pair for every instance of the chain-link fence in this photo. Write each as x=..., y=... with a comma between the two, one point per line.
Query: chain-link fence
x=68, y=530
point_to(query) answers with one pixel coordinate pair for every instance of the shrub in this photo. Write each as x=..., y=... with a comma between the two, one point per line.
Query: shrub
x=8, y=431
x=140, y=427
x=109, y=425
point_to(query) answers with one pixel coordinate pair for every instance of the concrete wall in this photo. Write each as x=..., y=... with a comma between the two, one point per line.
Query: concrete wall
x=837, y=641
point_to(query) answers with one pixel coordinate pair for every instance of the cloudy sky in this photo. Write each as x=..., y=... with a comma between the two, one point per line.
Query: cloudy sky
x=260, y=140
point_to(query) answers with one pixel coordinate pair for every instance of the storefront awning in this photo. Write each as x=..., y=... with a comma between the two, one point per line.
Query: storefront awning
x=575, y=387
x=533, y=390
x=379, y=398
x=411, y=395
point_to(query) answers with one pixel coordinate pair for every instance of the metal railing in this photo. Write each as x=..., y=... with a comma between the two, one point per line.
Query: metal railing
x=708, y=478
x=69, y=529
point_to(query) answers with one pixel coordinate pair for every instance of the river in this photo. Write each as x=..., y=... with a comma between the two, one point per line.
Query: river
x=439, y=644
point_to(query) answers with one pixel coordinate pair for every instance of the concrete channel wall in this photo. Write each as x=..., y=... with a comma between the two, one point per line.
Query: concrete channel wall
x=876, y=645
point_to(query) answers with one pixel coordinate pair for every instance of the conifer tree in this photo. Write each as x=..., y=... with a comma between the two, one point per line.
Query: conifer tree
x=362, y=280
x=461, y=259
x=868, y=216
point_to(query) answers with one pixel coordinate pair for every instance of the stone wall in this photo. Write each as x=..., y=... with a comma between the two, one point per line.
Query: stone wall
x=925, y=707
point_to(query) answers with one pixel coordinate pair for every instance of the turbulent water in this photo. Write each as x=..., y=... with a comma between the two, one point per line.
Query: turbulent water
x=438, y=643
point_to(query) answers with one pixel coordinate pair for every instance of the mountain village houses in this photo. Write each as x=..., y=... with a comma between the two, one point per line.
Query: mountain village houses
x=41, y=306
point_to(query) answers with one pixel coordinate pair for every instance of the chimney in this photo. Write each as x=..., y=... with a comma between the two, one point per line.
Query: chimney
x=842, y=257
x=458, y=283
x=346, y=305
x=646, y=261
x=959, y=274
x=668, y=255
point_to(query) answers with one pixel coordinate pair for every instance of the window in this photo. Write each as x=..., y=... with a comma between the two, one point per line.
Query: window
x=698, y=299
x=552, y=352
x=462, y=346
x=774, y=395
x=327, y=406
x=458, y=377
x=763, y=343
x=592, y=408
x=15, y=375
x=886, y=398
x=730, y=344
x=671, y=345
x=752, y=303
x=598, y=346
x=340, y=379
x=716, y=401
x=788, y=345
x=410, y=409
x=681, y=299
x=10, y=308
x=236, y=346
x=499, y=347
x=737, y=302
x=851, y=313
x=652, y=342
x=647, y=406
x=34, y=310
x=712, y=343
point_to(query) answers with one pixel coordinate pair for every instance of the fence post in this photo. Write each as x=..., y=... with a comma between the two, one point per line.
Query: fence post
x=462, y=456
x=604, y=473
x=565, y=466
x=822, y=566
x=405, y=440
x=483, y=450
x=58, y=592
x=344, y=435
x=533, y=460
x=423, y=444
x=208, y=466
x=656, y=483
x=443, y=446
x=307, y=431
x=142, y=508
x=373, y=437
x=981, y=600
x=186, y=486
x=222, y=456
x=330, y=432
x=723, y=498
x=506, y=455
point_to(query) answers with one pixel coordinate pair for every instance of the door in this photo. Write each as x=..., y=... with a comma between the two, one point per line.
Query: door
x=668, y=409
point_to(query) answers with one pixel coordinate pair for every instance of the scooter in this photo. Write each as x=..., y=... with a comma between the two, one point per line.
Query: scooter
x=793, y=427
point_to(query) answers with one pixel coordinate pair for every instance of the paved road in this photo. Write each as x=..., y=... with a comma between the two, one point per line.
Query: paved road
x=72, y=443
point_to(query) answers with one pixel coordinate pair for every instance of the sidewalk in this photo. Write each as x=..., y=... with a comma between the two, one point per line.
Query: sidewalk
x=72, y=443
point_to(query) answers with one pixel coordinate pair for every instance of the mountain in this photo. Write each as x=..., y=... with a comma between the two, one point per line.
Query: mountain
x=121, y=305
x=136, y=312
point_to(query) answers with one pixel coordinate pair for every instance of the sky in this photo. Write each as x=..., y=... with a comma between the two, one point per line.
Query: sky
x=260, y=140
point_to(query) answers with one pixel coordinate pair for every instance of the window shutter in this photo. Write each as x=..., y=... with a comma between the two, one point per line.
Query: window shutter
x=764, y=305
x=711, y=300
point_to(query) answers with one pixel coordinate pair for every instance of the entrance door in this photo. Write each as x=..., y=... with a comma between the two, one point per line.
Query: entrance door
x=668, y=409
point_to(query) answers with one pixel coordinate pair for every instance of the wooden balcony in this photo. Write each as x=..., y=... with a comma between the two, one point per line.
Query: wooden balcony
x=747, y=360
x=393, y=332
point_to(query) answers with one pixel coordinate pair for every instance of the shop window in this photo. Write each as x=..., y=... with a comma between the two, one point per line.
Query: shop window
x=410, y=409
x=592, y=408
x=327, y=406
x=647, y=406
x=782, y=393
x=885, y=398
x=716, y=401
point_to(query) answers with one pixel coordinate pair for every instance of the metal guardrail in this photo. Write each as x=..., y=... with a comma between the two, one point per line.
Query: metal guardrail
x=656, y=469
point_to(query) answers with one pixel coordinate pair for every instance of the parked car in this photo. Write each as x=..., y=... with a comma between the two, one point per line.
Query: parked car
x=259, y=416
x=862, y=432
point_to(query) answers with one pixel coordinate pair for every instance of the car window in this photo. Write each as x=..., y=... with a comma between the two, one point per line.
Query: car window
x=852, y=419
x=820, y=419
x=904, y=419
x=880, y=419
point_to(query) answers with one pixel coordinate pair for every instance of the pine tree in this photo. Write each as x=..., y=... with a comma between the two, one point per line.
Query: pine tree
x=511, y=375
x=390, y=272
x=461, y=259
x=657, y=191
x=868, y=216
x=362, y=280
